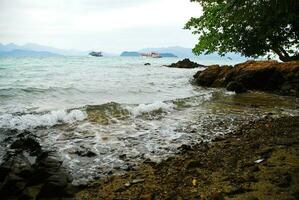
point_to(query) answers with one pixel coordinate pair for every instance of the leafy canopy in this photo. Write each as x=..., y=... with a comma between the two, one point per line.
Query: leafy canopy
x=250, y=27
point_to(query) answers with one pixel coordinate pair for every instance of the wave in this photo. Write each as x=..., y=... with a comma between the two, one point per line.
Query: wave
x=150, y=108
x=38, y=90
x=52, y=118
x=103, y=114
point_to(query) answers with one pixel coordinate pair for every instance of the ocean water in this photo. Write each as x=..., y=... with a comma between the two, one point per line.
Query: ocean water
x=119, y=110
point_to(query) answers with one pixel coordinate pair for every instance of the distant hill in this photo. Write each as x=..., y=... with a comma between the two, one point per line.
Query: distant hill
x=20, y=53
x=168, y=55
x=41, y=48
x=130, y=54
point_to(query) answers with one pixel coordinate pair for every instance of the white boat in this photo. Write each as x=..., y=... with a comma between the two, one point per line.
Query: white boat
x=151, y=55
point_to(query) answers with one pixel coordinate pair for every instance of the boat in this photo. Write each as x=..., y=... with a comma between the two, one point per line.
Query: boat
x=96, y=54
x=151, y=55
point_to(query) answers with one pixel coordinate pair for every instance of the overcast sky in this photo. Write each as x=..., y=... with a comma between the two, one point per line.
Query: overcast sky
x=108, y=25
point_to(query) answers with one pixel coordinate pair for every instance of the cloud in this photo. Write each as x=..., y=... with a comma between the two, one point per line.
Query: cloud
x=49, y=21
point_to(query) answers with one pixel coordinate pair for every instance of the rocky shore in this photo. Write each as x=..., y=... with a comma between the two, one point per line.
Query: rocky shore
x=269, y=76
x=29, y=172
x=260, y=160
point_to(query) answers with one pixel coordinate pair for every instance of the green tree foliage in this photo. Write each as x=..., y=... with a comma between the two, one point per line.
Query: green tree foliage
x=250, y=27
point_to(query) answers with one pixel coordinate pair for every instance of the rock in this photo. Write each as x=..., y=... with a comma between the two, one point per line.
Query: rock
x=31, y=193
x=186, y=63
x=270, y=76
x=213, y=76
x=29, y=172
x=194, y=164
x=135, y=181
x=12, y=184
x=26, y=143
x=147, y=64
x=54, y=186
x=236, y=87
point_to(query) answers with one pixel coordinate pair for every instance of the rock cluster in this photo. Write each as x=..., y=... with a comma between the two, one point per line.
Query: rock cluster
x=186, y=63
x=29, y=172
x=270, y=76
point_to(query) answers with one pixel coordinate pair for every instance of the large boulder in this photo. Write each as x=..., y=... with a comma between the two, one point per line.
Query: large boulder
x=29, y=172
x=213, y=76
x=186, y=63
x=270, y=76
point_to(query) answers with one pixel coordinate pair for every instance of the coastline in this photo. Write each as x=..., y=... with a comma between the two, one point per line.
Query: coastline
x=260, y=160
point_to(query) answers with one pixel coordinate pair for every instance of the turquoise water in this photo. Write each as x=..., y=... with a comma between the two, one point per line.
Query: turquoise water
x=50, y=83
x=114, y=106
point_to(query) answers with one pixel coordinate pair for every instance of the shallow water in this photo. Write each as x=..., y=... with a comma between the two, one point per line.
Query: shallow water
x=107, y=115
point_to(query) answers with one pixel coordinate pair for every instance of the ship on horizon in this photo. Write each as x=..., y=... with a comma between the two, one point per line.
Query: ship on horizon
x=96, y=54
x=151, y=55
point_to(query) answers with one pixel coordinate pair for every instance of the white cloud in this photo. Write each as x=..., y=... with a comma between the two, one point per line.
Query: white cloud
x=59, y=22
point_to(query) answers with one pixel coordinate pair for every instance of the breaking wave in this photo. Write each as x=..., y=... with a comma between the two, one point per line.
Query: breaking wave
x=52, y=118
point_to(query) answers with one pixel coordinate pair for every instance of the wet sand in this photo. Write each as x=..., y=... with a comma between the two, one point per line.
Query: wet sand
x=260, y=160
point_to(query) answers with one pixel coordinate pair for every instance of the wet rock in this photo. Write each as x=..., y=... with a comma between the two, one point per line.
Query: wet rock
x=27, y=143
x=272, y=76
x=29, y=172
x=236, y=87
x=213, y=76
x=135, y=181
x=54, y=186
x=12, y=185
x=31, y=193
x=194, y=164
x=186, y=63
x=282, y=179
x=123, y=156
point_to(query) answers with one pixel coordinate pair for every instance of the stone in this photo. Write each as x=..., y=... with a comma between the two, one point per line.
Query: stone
x=54, y=186
x=236, y=87
x=186, y=63
x=27, y=143
x=269, y=76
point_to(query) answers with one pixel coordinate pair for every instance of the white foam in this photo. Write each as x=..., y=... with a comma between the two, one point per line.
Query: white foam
x=44, y=120
x=146, y=108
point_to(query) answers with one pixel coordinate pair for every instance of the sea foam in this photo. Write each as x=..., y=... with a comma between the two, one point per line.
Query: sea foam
x=52, y=118
x=147, y=108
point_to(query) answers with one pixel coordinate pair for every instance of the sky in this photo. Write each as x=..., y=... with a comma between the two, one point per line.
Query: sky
x=106, y=25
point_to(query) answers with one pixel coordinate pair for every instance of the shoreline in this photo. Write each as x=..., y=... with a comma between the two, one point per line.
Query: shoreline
x=260, y=160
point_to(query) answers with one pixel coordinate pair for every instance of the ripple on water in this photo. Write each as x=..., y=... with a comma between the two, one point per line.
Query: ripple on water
x=115, y=137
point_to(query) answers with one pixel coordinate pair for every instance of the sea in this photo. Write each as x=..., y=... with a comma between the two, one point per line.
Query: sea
x=107, y=115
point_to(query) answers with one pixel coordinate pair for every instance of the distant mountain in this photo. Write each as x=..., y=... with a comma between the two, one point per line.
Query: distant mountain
x=20, y=53
x=130, y=54
x=168, y=55
x=8, y=47
x=41, y=48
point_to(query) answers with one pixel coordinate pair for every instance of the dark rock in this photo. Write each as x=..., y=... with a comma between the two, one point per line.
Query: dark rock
x=29, y=172
x=271, y=76
x=194, y=164
x=12, y=184
x=236, y=87
x=123, y=156
x=213, y=76
x=186, y=63
x=54, y=186
x=26, y=143
x=147, y=64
